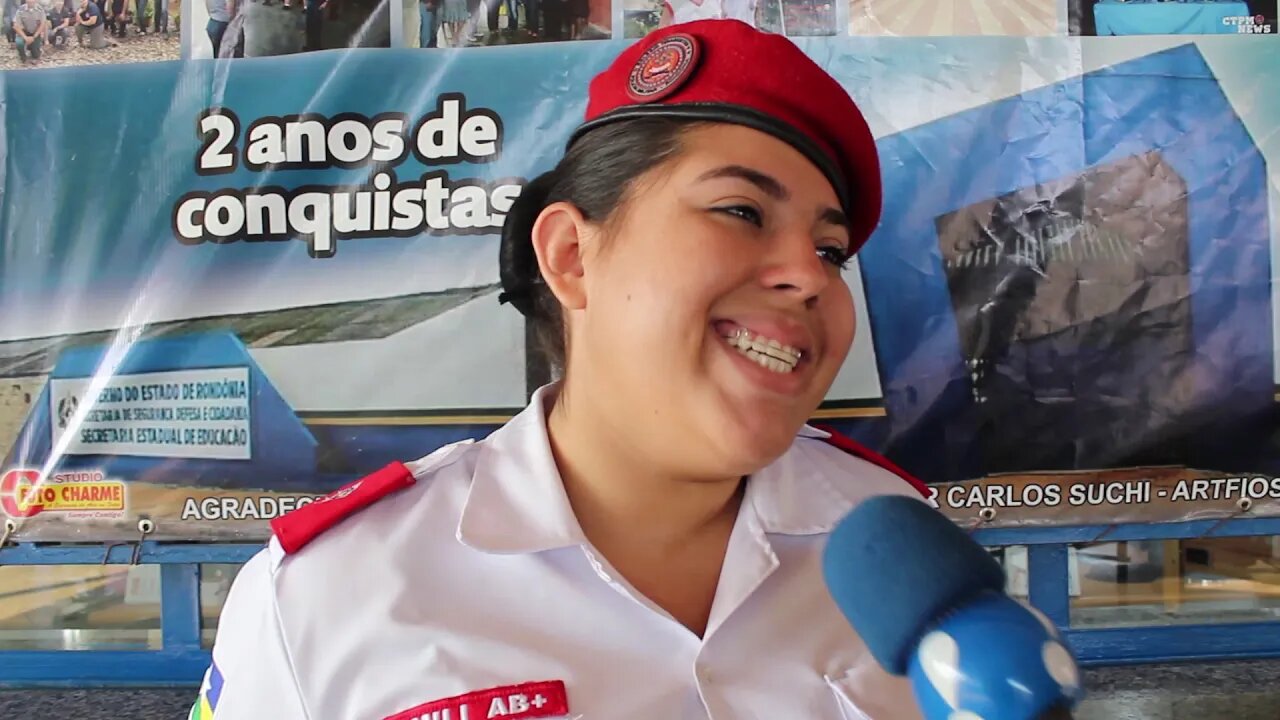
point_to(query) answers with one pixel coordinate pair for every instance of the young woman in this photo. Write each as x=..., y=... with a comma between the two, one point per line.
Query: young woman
x=643, y=541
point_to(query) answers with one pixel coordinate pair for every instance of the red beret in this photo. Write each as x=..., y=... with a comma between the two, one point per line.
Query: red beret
x=727, y=71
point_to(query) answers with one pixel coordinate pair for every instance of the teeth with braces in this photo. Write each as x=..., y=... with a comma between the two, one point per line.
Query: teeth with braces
x=767, y=352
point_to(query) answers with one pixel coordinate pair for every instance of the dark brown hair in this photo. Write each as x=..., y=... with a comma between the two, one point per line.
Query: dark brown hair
x=596, y=175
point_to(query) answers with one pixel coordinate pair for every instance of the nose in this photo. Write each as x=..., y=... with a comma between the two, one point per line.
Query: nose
x=793, y=266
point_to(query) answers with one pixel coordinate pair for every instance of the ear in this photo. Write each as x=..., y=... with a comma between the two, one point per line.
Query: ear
x=558, y=236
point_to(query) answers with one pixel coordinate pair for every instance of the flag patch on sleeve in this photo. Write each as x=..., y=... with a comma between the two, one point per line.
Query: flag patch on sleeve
x=210, y=691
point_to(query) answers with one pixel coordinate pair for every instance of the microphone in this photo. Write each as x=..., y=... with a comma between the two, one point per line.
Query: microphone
x=929, y=603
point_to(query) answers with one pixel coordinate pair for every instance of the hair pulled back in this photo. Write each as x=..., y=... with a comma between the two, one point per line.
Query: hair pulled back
x=596, y=176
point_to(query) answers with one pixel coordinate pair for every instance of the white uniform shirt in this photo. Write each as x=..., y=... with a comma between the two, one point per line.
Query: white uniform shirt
x=478, y=576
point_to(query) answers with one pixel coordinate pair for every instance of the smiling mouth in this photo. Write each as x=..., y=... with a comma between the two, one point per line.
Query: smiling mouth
x=764, y=351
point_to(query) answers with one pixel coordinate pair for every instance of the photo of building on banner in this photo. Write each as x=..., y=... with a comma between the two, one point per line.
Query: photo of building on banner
x=258, y=28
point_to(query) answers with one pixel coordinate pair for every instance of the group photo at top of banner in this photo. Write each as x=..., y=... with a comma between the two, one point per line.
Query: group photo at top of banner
x=242, y=269
x=82, y=32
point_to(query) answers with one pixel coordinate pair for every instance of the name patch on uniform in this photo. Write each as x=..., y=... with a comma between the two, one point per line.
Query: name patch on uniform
x=546, y=699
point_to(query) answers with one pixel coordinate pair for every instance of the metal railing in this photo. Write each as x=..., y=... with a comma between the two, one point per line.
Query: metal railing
x=182, y=659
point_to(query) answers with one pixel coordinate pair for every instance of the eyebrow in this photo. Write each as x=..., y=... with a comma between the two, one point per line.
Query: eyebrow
x=832, y=216
x=766, y=183
x=771, y=187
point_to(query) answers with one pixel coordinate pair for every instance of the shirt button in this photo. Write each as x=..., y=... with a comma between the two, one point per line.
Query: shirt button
x=704, y=674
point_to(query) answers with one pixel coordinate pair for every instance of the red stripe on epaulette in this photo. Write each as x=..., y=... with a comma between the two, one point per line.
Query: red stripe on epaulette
x=295, y=529
x=857, y=449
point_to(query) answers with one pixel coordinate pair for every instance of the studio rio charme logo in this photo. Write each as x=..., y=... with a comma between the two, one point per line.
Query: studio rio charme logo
x=24, y=494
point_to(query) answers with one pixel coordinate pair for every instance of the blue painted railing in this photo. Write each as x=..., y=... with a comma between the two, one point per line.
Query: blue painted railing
x=181, y=661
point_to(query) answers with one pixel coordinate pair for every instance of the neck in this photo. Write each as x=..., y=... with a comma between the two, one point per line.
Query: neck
x=618, y=490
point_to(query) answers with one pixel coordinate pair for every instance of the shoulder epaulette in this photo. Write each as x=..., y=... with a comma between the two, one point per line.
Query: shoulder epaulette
x=857, y=449
x=297, y=528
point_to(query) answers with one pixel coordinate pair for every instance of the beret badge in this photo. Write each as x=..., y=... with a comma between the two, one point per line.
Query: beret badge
x=663, y=68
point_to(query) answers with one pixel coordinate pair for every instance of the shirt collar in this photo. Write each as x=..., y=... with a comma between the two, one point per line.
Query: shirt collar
x=796, y=495
x=517, y=502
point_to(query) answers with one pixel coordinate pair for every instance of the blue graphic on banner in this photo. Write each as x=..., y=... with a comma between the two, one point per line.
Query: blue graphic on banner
x=995, y=360
x=192, y=410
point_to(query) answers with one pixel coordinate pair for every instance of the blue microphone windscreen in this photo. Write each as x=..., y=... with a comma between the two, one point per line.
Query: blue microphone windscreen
x=895, y=566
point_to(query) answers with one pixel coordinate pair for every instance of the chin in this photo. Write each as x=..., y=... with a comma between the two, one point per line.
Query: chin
x=753, y=443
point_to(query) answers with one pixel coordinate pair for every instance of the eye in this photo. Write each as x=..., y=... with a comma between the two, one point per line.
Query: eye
x=745, y=212
x=835, y=255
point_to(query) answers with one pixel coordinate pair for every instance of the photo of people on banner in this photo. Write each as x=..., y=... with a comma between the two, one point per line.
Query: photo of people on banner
x=89, y=32
x=796, y=18
x=465, y=23
x=260, y=28
x=1161, y=17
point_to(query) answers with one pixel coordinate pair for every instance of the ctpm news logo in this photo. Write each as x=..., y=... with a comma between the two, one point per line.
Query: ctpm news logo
x=23, y=494
x=1248, y=24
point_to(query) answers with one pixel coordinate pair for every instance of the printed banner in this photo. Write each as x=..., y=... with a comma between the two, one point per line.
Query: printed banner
x=185, y=414
x=228, y=286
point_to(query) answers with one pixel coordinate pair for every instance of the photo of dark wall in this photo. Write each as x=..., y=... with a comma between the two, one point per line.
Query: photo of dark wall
x=1172, y=17
x=1072, y=301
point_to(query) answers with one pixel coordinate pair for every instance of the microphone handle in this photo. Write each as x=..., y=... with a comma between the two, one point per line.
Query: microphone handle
x=957, y=667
